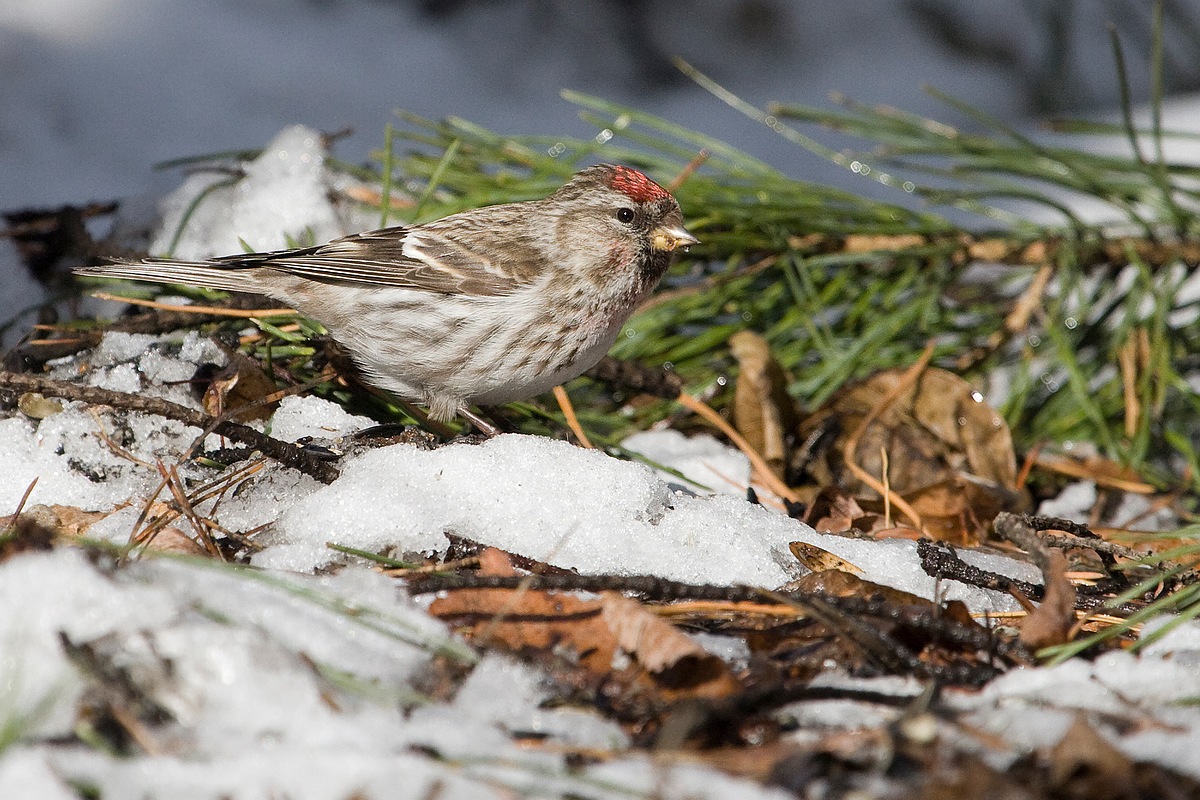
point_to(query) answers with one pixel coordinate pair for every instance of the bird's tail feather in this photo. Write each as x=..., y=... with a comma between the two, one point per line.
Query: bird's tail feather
x=192, y=273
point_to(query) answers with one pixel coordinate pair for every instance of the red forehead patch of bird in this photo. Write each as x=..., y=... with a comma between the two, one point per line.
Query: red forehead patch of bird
x=636, y=186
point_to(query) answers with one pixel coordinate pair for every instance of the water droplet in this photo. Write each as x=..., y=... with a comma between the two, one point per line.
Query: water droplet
x=604, y=135
x=1034, y=340
x=1071, y=323
x=977, y=397
x=910, y=187
x=722, y=380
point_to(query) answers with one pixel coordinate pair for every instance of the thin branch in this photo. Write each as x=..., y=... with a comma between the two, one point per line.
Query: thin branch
x=285, y=453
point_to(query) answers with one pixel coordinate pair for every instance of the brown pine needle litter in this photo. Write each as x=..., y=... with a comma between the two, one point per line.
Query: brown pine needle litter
x=568, y=410
x=762, y=471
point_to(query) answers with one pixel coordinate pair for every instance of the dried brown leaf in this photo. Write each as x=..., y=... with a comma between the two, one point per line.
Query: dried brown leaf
x=1051, y=622
x=833, y=510
x=763, y=412
x=173, y=540
x=58, y=520
x=818, y=560
x=844, y=584
x=242, y=382
x=663, y=650
x=949, y=454
x=37, y=406
x=595, y=635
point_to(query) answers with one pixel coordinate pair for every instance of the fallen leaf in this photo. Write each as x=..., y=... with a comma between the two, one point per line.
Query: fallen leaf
x=949, y=454
x=818, y=560
x=36, y=406
x=65, y=520
x=241, y=382
x=958, y=508
x=611, y=638
x=1051, y=622
x=763, y=412
x=673, y=657
x=843, y=584
x=173, y=540
x=833, y=510
x=494, y=561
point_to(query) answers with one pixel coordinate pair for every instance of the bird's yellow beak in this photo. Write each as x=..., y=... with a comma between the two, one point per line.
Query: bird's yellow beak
x=669, y=237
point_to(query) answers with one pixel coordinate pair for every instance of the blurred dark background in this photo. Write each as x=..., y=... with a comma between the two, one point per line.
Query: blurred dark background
x=95, y=91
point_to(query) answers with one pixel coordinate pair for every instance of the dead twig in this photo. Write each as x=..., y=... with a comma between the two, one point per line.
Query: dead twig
x=287, y=454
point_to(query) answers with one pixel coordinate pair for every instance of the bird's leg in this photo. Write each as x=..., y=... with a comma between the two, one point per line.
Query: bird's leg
x=482, y=425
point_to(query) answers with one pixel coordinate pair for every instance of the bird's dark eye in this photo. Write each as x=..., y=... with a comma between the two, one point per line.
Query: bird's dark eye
x=625, y=215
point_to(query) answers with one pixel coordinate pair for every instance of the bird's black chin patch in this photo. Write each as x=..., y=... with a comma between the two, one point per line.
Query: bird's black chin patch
x=654, y=267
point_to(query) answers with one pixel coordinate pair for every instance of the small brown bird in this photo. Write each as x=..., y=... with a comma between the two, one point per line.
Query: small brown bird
x=478, y=308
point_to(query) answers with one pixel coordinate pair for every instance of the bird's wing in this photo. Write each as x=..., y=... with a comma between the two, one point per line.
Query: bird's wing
x=425, y=257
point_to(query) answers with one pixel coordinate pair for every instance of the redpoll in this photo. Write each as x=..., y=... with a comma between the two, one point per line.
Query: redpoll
x=478, y=308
